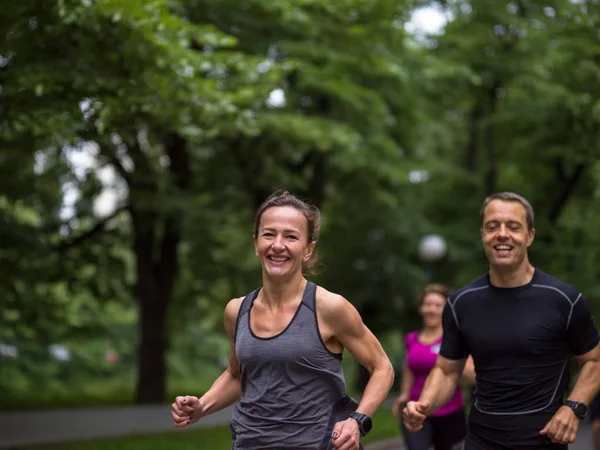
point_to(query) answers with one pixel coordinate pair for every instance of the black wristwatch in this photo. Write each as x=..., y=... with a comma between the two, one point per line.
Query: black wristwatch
x=580, y=409
x=364, y=422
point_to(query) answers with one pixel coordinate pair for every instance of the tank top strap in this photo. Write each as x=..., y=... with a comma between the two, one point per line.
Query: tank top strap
x=245, y=307
x=309, y=298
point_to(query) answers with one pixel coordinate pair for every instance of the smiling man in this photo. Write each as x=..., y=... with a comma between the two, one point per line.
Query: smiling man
x=520, y=325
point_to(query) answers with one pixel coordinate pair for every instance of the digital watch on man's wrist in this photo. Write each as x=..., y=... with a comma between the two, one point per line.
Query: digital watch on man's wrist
x=580, y=409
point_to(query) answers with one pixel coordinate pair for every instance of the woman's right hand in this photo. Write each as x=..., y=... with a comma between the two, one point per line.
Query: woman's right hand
x=186, y=410
x=399, y=405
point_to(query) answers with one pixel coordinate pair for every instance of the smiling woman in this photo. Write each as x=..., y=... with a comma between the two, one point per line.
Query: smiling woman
x=287, y=339
x=279, y=224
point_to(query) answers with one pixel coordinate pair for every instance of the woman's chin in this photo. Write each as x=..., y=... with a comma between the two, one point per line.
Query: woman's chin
x=277, y=272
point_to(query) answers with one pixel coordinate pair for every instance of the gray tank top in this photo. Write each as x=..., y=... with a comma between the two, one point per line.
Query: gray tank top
x=293, y=389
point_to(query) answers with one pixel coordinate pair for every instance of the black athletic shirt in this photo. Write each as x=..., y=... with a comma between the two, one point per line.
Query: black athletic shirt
x=520, y=339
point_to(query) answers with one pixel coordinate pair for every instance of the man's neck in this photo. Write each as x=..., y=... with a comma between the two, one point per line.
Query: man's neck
x=511, y=277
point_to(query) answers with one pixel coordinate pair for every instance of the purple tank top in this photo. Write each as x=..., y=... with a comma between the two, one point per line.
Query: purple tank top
x=420, y=359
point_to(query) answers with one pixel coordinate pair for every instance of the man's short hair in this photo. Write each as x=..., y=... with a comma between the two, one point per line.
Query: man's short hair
x=510, y=197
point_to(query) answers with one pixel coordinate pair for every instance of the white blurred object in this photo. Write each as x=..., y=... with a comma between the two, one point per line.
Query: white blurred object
x=9, y=350
x=276, y=98
x=432, y=247
x=59, y=352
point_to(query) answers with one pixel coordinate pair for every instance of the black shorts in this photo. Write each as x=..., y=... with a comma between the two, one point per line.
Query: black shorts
x=595, y=408
x=509, y=432
x=474, y=442
x=442, y=432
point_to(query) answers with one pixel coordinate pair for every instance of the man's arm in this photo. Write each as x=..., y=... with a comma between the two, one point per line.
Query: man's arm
x=441, y=383
x=584, y=342
x=588, y=381
x=469, y=371
x=450, y=364
x=348, y=328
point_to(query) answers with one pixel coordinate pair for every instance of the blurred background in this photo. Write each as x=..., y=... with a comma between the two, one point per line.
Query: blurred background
x=137, y=139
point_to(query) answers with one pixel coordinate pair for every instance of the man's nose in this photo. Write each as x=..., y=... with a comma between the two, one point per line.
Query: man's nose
x=503, y=232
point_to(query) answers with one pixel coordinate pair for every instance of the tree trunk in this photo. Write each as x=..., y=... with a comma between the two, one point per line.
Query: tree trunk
x=152, y=312
x=470, y=163
x=157, y=267
x=492, y=171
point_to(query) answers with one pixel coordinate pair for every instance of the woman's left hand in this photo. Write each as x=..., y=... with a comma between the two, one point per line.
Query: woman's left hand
x=346, y=435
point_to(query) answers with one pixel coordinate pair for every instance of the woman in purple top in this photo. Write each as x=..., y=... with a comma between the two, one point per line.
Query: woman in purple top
x=446, y=428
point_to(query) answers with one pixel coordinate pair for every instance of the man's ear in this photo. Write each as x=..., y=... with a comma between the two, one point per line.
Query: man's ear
x=530, y=237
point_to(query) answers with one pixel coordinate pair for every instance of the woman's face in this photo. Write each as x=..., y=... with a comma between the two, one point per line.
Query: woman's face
x=431, y=309
x=282, y=241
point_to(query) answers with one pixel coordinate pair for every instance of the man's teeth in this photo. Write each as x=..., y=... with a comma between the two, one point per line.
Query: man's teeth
x=502, y=247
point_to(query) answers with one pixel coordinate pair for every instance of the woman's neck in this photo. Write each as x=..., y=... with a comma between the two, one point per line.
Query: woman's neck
x=432, y=331
x=275, y=293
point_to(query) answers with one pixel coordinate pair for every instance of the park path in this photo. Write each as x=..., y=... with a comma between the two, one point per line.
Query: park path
x=28, y=428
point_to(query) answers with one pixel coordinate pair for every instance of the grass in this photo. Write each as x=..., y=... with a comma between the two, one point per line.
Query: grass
x=117, y=391
x=385, y=426
x=214, y=438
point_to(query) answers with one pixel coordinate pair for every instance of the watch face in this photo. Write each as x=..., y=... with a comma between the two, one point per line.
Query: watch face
x=581, y=410
x=367, y=424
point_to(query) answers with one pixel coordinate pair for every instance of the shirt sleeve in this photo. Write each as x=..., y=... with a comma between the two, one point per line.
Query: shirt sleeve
x=582, y=334
x=453, y=342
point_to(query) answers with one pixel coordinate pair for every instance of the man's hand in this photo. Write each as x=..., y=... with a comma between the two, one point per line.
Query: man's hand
x=346, y=435
x=186, y=410
x=415, y=414
x=562, y=428
x=399, y=404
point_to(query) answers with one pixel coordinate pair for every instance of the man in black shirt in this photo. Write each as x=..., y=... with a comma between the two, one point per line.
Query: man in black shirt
x=520, y=325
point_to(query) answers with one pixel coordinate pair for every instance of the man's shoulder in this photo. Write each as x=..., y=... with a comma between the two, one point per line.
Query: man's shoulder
x=478, y=285
x=543, y=280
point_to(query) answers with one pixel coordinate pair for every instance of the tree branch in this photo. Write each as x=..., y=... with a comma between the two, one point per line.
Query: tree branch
x=93, y=231
x=568, y=186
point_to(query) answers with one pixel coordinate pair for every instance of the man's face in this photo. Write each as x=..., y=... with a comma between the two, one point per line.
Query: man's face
x=504, y=233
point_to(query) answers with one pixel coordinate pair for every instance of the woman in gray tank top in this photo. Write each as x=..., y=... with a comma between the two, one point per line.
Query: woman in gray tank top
x=287, y=340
